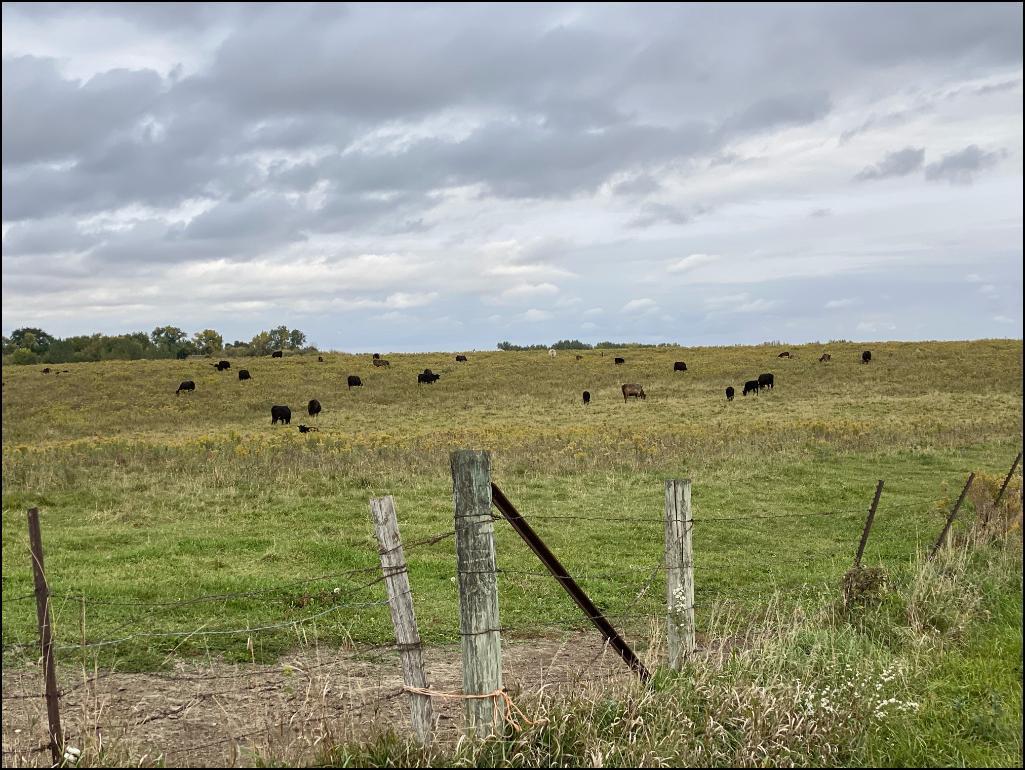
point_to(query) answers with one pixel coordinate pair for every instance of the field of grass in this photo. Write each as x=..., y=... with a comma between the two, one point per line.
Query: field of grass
x=150, y=497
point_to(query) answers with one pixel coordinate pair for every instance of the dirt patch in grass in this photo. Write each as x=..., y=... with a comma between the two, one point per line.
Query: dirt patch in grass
x=222, y=715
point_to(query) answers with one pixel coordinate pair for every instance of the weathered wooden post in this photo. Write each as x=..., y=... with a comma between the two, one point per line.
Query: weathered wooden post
x=1007, y=480
x=400, y=599
x=46, y=638
x=868, y=524
x=478, y=589
x=950, y=519
x=679, y=561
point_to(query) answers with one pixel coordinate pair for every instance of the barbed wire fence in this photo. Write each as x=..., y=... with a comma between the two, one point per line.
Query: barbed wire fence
x=649, y=607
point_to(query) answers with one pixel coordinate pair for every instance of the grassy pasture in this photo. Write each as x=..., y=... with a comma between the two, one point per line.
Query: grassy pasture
x=151, y=497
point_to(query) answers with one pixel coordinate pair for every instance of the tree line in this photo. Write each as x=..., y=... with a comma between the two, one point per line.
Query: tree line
x=34, y=346
x=578, y=345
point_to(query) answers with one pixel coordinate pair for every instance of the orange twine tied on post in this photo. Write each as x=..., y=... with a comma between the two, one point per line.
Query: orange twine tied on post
x=510, y=707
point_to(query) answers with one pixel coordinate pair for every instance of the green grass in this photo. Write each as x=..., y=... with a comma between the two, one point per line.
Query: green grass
x=150, y=497
x=821, y=686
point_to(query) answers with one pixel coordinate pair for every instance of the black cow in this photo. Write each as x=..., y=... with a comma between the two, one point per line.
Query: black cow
x=186, y=385
x=376, y=356
x=825, y=357
x=307, y=429
x=620, y=360
x=679, y=366
x=866, y=356
x=587, y=397
x=277, y=354
x=282, y=413
x=320, y=360
x=751, y=386
x=633, y=390
x=354, y=381
x=729, y=393
x=579, y=357
x=784, y=354
x=460, y=358
x=313, y=408
x=765, y=381
x=428, y=377
x=243, y=374
x=222, y=365
x=46, y=370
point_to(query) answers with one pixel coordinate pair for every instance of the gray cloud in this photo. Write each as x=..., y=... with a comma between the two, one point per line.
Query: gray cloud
x=899, y=163
x=424, y=149
x=964, y=166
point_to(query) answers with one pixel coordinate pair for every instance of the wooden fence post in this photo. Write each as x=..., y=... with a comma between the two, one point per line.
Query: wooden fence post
x=478, y=588
x=46, y=638
x=950, y=519
x=1007, y=480
x=868, y=524
x=400, y=599
x=679, y=560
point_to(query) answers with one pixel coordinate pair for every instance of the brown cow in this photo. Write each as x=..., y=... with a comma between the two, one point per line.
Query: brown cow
x=631, y=389
x=381, y=362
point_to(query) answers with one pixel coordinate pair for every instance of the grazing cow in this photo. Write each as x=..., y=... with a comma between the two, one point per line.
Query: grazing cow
x=243, y=374
x=282, y=413
x=320, y=360
x=377, y=356
x=866, y=356
x=729, y=393
x=47, y=370
x=277, y=354
x=428, y=377
x=552, y=353
x=620, y=360
x=679, y=366
x=313, y=408
x=461, y=358
x=579, y=357
x=307, y=429
x=633, y=390
x=587, y=397
x=784, y=354
x=825, y=357
x=222, y=365
x=751, y=386
x=381, y=362
x=186, y=385
x=353, y=381
x=765, y=381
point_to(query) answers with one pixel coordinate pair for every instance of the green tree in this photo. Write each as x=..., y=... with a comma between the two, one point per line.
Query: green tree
x=35, y=340
x=208, y=342
x=296, y=339
x=168, y=338
x=24, y=356
x=278, y=337
x=261, y=344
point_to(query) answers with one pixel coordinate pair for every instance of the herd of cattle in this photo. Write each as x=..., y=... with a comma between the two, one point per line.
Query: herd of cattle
x=283, y=414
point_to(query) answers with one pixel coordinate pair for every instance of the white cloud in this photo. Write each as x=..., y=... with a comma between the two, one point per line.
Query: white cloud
x=835, y=304
x=690, y=263
x=534, y=315
x=643, y=305
x=528, y=291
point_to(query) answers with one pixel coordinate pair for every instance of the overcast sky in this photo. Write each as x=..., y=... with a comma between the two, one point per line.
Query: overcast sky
x=429, y=177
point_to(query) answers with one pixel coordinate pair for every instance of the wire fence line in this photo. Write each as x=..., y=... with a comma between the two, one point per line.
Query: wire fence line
x=628, y=616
